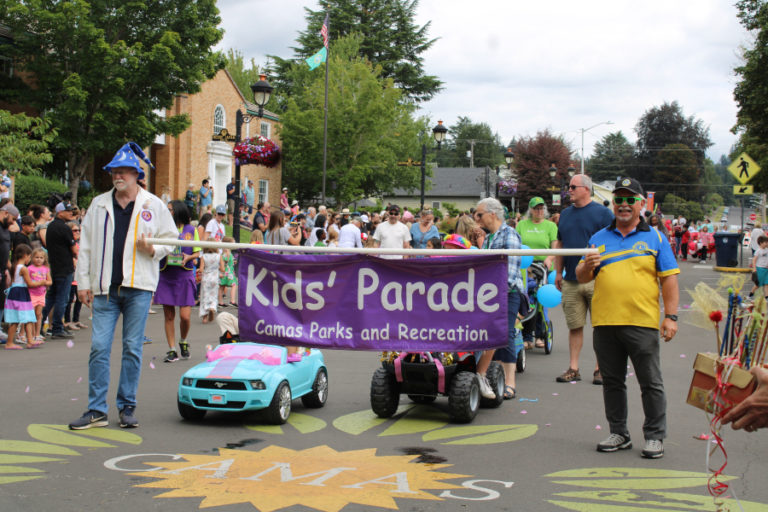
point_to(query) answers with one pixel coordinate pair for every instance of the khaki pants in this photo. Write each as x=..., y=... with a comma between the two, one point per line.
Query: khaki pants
x=577, y=300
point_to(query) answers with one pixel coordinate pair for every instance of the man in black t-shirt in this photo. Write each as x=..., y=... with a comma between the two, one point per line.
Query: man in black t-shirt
x=61, y=253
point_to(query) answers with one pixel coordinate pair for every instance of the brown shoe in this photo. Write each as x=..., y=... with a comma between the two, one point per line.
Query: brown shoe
x=597, y=379
x=570, y=375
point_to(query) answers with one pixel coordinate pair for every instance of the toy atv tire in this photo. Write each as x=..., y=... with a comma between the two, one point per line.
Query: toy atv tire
x=385, y=393
x=464, y=397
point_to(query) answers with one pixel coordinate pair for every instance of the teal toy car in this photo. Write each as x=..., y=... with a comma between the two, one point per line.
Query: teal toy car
x=251, y=376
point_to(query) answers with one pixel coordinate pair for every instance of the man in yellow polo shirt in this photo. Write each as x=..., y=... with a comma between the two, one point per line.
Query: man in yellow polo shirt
x=633, y=259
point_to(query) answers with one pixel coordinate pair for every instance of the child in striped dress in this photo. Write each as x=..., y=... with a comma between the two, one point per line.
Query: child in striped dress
x=19, y=311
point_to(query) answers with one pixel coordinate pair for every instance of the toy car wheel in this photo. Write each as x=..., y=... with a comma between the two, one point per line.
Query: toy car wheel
x=280, y=408
x=319, y=393
x=550, y=338
x=190, y=413
x=496, y=379
x=464, y=397
x=422, y=399
x=385, y=395
x=521, y=361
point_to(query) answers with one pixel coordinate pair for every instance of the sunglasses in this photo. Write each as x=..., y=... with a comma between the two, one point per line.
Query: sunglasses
x=628, y=200
x=574, y=187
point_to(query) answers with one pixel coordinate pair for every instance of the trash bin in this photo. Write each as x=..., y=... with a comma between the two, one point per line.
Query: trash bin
x=727, y=249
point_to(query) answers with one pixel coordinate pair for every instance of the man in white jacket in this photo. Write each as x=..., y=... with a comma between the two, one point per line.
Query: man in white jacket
x=117, y=272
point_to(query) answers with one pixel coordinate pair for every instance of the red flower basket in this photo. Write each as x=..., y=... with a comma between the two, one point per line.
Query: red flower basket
x=257, y=150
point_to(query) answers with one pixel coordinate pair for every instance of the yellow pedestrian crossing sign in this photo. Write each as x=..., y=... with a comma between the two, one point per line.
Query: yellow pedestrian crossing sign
x=743, y=168
x=743, y=190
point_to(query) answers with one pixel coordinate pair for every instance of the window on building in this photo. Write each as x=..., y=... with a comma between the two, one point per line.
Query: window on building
x=219, y=121
x=265, y=130
x=263, y=190
x=6, y=66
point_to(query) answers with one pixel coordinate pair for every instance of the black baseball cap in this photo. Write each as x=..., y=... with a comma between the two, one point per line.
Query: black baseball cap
x=394, y=208
x=629, y=184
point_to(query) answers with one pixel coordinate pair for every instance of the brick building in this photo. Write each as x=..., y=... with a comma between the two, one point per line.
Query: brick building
x=193, y=156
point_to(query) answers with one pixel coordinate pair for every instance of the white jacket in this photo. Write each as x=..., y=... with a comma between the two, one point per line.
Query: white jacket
x=150, y=218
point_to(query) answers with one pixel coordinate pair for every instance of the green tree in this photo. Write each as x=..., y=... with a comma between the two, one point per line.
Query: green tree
x=103, y=70
x=371, y=129
x=726, y=179
x=24, y=142
x=613, y=156
x=657, y=129
x=466, y=137
x=533, y=157
x=750, y=92
x=391, y=40
x=676, y=170
x=243, y=76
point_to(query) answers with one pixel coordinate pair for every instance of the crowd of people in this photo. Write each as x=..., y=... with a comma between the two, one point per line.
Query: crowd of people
x=115, y=272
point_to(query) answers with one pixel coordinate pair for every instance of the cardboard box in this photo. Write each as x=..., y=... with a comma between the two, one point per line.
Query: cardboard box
x=705, y=367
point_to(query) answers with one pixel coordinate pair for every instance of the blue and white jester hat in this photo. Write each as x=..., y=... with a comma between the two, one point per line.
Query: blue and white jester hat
x=126, y=156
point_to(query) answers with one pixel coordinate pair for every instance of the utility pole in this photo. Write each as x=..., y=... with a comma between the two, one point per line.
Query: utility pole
x=472, y=143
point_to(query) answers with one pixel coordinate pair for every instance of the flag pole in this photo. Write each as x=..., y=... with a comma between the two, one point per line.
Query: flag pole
x=325, y=109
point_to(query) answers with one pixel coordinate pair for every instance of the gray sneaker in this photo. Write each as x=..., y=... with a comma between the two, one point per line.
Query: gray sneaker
x=485, y=387
x=613, y=443
x=89, y=419
x=653, y=449
x=127, y=418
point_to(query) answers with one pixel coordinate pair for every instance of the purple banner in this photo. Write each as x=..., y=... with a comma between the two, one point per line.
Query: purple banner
x=363, y=302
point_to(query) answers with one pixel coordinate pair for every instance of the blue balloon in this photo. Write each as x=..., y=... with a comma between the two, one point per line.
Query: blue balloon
x=551, y=277
x=549, y=296
x=525, y=261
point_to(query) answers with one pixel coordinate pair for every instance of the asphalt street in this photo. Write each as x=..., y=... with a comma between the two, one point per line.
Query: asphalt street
x=533, y=453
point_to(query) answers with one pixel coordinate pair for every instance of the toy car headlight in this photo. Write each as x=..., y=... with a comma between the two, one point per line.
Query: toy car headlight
x=186, y=381
x=257, y=384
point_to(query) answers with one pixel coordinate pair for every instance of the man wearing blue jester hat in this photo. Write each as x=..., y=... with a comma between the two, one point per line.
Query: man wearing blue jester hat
x=117, y=273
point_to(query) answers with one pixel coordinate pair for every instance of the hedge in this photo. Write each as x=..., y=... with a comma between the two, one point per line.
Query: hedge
x=34, y=190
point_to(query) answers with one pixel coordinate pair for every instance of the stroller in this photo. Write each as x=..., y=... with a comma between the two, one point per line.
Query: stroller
x=538, y=315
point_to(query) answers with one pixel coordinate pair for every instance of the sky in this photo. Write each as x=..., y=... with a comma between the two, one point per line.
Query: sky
x=526, y=66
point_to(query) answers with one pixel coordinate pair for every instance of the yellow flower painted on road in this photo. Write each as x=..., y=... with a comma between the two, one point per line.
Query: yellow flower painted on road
x=320, y=478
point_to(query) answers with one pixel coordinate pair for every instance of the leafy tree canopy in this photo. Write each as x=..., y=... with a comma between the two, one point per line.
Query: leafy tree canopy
x=660, y=126
x=533, y=157
x=750, y=92
x=391, y=40
x=102, y=70
x=370, y=130
x=24, y=142
x=466, y=137
x=613, y=156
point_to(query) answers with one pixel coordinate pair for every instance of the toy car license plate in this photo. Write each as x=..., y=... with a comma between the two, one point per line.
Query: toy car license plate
x=217, y=399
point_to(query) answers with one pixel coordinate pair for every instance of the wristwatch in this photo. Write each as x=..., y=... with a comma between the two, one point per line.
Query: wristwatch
x=671, y=317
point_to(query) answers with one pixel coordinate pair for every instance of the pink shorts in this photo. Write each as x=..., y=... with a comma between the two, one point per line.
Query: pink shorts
x=38, y=300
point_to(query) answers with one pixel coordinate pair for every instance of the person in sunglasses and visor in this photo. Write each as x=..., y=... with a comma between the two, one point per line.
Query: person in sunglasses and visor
x=633, y=260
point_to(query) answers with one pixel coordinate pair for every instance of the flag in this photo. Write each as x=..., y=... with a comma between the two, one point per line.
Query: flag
x=324, y=31
x=317, y=59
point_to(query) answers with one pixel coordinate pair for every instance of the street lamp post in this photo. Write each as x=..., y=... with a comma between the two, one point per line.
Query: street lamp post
x=582, y=130
x=261, y=92
x=438, y=132
x=563, y=181
x=509, y=157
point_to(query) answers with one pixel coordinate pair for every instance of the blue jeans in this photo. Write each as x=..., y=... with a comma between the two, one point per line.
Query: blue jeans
x=134, y=306
x=56, y=298
x=508, y=354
